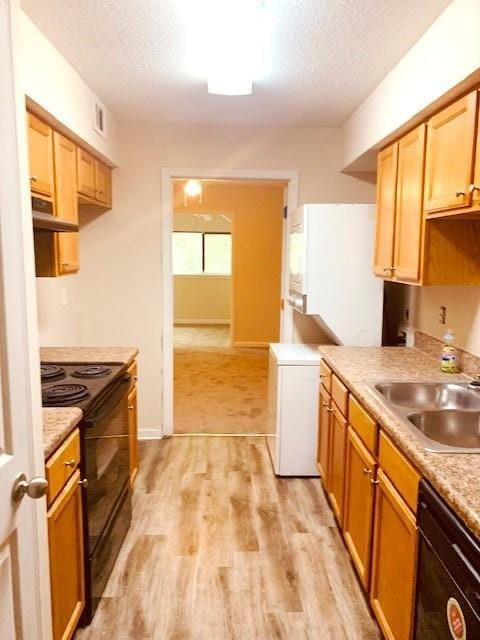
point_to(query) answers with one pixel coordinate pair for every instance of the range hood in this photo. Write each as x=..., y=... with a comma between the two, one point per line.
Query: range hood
x=44, y=219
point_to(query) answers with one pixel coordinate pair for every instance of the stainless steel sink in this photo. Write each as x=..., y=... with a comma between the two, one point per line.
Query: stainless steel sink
x=443, y=416
x=453, y=428
x=431, y=395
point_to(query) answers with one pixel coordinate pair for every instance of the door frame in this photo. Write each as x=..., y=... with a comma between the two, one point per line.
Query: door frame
x=19, y=332
x=286, y=316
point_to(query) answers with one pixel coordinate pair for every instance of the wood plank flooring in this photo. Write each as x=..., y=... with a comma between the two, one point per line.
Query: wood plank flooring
x=220, y=549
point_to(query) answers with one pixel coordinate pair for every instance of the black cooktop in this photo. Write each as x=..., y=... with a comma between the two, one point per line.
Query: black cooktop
x=76, y=384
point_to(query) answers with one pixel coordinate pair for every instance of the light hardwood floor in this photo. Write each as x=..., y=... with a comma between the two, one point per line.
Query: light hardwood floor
x=220, y=549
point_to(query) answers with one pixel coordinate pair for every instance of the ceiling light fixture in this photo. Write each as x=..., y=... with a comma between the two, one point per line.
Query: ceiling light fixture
x=192, y=189
x=230, y=43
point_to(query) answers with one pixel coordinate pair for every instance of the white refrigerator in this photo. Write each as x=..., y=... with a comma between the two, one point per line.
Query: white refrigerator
x=330, y=270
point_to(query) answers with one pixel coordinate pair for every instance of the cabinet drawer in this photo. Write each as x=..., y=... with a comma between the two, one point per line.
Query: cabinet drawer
x=62, y=464
x=326, y=375
x=340, y=394
x=363, y=424
x=400, y=471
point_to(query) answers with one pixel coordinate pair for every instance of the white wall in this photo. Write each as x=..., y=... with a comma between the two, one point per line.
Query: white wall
x=51, y=82
x=443, y=57
x=121, y=263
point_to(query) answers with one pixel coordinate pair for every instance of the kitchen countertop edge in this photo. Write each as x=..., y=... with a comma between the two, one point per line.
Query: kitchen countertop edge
x=58, y=423
x=126, y=355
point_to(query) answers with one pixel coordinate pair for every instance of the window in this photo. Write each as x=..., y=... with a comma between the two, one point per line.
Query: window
x=197, y=253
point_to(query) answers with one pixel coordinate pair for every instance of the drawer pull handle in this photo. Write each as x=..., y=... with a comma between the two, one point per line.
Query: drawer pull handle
x=325, y=404
x=330, y=410
x=83, y=483
x=367, y=472
x=473, y=187
x=33, y=179
x=459, y=193
x=70, y=463
x=372, y=481
x=131, y=407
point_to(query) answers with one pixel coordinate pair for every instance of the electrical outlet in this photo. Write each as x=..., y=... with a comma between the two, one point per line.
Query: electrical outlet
x=442, y=317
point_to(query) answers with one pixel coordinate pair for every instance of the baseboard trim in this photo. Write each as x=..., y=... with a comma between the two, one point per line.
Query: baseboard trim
x=262, y=345
x=203, y=321
x=150, y=434
x=219, y=435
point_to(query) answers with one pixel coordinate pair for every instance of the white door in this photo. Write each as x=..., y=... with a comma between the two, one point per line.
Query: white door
x=24, y=586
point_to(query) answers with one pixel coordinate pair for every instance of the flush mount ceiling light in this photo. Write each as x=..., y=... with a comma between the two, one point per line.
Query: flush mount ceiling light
x=192, y=189
x=230, y=43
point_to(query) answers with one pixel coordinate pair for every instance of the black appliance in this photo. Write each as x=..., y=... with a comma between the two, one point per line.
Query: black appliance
x=101, y=391
x=448, y=579
x=44, y=218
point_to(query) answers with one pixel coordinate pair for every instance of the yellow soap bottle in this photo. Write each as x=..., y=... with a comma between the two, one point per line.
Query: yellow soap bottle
x=449, y=361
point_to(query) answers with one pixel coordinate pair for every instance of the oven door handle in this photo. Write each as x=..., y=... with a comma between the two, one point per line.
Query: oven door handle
x=110, y=402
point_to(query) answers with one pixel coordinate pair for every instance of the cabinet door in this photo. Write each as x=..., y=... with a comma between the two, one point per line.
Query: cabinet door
x=65, y=541
x=409, y=221
x=323, y=441
x=449, y=157
x=394, y=553
x=360, y=469
x=475, y=187
x=40, y=148
x=85, y=173
x=65, y=155
x=133, y=433
x=336, y=463
x=385, y=223
x=103, y=183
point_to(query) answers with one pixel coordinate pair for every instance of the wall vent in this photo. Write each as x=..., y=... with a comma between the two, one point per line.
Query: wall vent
x=100, y=124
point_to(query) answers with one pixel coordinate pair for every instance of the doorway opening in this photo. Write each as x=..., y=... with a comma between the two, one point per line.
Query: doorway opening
x=226, y=271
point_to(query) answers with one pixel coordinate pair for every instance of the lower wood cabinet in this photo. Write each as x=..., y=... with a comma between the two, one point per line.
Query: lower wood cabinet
x=65, y=540
x=336, y=463
x=360, y=473
x=323, y=440
x=133, y=433
x=394, y=554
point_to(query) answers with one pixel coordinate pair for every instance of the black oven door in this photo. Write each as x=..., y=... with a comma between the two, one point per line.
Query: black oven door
x=107, y=465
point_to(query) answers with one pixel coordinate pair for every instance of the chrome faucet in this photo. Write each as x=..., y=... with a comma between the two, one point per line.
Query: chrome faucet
x=475, y=383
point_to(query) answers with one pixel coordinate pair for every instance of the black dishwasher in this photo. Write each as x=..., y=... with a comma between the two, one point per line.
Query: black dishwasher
x=448, y=580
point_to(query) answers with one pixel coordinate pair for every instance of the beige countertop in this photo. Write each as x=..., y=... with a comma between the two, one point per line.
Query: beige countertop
x=88, y=354
x=58, y=422
x=455, y=476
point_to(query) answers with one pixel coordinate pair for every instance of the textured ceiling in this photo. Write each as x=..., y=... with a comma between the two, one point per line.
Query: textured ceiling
x=328, y=55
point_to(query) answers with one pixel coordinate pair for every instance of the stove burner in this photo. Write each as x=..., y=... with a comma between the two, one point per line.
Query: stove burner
x=63, y=394
x=92, y=371
x=51, y=371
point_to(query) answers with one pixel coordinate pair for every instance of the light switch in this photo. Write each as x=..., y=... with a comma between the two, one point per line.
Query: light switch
x=64, y=297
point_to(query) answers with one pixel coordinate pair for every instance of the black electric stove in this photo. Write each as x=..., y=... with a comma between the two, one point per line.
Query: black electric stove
x=78, y=384
x=100, y=390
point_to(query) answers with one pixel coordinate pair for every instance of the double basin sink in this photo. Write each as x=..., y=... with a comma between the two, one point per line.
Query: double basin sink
x=445, y=417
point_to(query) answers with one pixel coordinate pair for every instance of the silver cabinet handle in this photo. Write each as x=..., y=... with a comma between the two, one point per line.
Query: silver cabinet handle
x=34, y=488
x=330, y=410
x=65, y=264
x=372, y=481
x=367, y=472
x=131, y=407
x=459, y=193
x=83, y=483
x=385, y=269
x=473, y=187
x=33, y=179
x=70, y=463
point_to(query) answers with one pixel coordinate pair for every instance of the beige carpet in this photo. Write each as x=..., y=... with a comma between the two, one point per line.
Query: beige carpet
x=218, y=388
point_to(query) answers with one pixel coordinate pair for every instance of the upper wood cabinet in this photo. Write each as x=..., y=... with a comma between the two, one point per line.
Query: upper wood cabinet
x=85, y=173
x=103, y=183
x=387, y=165
x=450, y=156
x=94, y=184
x=475, y=186
x=40, y=147
x=409, y=222
x=394, y=555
